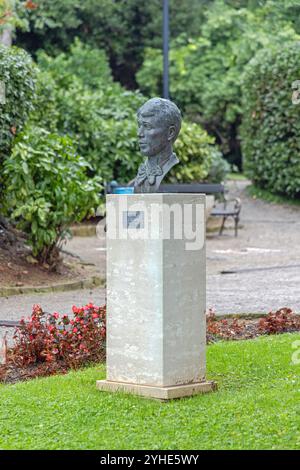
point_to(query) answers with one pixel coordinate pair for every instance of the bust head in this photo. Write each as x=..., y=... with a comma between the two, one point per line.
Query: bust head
x=159, y=122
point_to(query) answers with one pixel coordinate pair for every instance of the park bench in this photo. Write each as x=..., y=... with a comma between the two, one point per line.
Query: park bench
x=224, y=208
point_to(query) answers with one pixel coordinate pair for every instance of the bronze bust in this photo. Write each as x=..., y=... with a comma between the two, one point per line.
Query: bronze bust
x=159, y=122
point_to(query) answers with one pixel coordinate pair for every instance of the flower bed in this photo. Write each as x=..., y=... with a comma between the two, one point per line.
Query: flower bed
x=281, y=321
x=48, y=344
x=51, y=343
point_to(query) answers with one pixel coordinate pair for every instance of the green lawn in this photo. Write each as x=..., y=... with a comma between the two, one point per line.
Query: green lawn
x=236, y=177
x=257, y=407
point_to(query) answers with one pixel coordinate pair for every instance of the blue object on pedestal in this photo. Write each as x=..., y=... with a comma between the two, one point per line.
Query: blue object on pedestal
x=125, y=190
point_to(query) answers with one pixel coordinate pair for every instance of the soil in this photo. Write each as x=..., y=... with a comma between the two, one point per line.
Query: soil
x=18, y=268
x=10, y=374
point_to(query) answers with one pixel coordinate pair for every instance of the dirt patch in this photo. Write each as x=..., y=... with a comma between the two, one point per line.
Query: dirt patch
x=10, y=374
x=19, y=269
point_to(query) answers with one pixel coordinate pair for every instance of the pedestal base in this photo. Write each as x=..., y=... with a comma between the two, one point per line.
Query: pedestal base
x=160, y=393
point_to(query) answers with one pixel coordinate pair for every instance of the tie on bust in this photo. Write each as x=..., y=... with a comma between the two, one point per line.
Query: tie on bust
x=147, y=173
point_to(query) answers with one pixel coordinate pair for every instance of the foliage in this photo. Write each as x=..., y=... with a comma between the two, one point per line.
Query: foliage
x=101, y=123
x=55, y=338
x=12, y=14
x=205, y=72
x=219, y=167
x=257, y=404
x=17, y=79
x=271, y=127
x=258, y=193
x=122, y=28
x=199, y=158
x=47, y=189
x=282, y=321
x=100, y=116
x=89, y=65
x=65, y=342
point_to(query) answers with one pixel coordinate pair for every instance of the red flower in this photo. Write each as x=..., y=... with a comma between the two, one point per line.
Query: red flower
x=37, y=309
x=30, y=5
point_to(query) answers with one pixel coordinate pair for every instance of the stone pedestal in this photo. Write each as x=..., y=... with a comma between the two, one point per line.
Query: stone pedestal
x=156, y=330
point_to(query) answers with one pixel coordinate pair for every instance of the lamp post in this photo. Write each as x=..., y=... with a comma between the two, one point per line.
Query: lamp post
x=166, y=49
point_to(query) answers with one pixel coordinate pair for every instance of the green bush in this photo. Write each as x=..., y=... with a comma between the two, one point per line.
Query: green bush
x=199, y=158
x=103, y=126
x=88, y=64
x=47, y=189
x=98, y=114
x=100, y=117
x=17, y=81
x=101, y=123
x=271, y=126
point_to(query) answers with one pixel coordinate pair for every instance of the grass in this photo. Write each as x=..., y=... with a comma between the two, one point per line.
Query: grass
x=236, y=177
x=258, y=193
x=257, y=407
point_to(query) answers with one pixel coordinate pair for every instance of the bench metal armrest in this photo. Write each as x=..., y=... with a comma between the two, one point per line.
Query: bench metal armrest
x=236, y=206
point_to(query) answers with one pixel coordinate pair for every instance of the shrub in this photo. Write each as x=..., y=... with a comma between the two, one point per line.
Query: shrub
x=282, y=321
x=271, y=127
x=89, y=65
x=55, y=338
x=96, y=113
x=17, y=81
x=47, y=189
x=101, y=120
x=199, y=158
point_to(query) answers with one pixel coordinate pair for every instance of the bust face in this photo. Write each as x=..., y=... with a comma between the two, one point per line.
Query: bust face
x=153, y=135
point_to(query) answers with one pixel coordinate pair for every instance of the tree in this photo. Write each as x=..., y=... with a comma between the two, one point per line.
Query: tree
x=122, y=27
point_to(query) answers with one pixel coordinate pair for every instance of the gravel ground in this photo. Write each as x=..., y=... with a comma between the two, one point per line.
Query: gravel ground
x=264, y=260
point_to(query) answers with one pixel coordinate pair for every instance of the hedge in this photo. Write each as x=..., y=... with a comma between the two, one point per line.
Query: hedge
x=270, y=129
x=17, y=79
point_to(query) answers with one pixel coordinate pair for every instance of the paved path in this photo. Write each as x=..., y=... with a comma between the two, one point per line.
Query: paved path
x=265, y=259
x=265, y=256
x=13, y=308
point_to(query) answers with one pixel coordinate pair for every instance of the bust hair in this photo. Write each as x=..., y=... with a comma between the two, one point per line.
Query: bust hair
x=167, y=112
